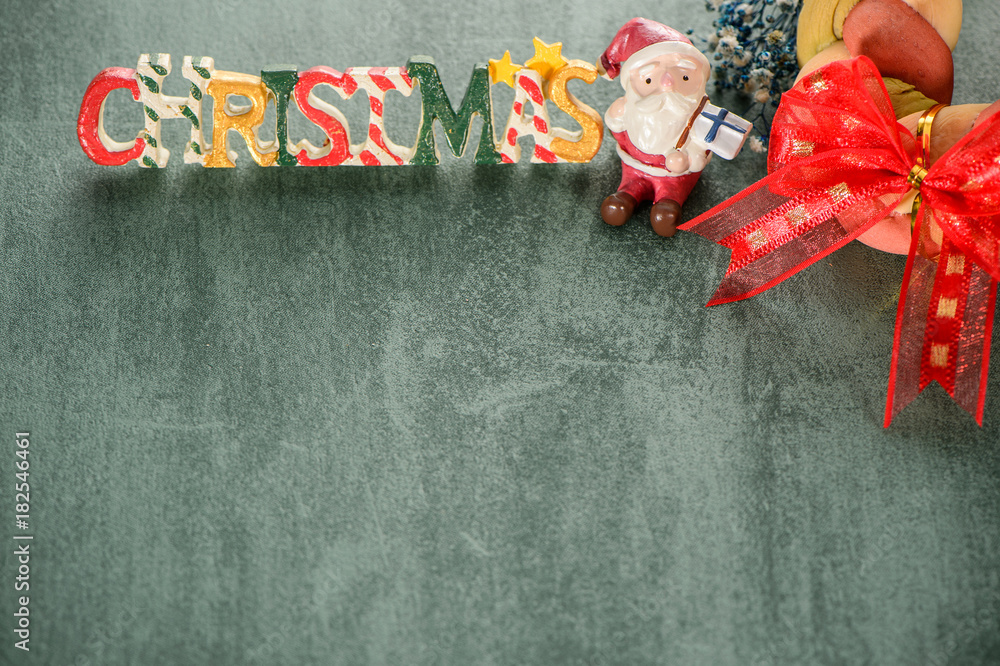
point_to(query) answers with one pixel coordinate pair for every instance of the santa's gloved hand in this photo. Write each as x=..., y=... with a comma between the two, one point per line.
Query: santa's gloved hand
x=677, y=162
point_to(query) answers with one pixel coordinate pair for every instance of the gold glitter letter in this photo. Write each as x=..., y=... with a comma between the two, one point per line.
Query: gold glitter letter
x=579, y=146
x=245, y=120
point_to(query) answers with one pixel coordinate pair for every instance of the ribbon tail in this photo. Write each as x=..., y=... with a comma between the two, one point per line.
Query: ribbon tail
x=943, y=327
x=719, y=224
x=774, y=235
x=720, y=221
x=985, y=289
x=911, y=320
x=959, y=325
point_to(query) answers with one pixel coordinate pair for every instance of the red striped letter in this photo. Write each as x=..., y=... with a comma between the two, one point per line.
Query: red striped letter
x=90, y=126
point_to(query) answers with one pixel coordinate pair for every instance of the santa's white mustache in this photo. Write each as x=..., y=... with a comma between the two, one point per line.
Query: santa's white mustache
x=670, y=101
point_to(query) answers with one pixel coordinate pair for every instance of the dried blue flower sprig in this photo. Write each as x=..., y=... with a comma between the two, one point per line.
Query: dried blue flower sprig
x=754, y=54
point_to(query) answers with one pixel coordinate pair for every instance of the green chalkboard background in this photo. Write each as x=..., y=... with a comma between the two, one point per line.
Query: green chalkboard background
x=445, y=415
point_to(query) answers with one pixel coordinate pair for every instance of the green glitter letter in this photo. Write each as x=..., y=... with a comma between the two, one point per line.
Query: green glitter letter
x=280, y=81
x=456, y=126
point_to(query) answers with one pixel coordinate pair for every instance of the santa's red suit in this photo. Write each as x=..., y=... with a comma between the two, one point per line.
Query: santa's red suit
x=645, y=176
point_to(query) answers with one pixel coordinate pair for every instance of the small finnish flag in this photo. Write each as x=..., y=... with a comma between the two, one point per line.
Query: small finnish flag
x=722, y=132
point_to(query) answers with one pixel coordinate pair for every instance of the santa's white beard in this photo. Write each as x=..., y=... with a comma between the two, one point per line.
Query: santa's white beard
x=654, y=123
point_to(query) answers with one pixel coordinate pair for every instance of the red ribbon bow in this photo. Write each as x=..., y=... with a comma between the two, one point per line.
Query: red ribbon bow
x=839, y=162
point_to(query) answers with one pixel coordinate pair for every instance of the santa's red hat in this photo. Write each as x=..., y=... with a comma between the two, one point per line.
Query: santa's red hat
x=641, y=39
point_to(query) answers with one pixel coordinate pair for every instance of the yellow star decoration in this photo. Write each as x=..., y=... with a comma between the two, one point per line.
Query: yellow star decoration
x=503, y=70
x=547, y=59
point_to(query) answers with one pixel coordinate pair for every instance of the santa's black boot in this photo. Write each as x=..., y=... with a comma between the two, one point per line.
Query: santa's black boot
x=617, y=208
x=664, y=217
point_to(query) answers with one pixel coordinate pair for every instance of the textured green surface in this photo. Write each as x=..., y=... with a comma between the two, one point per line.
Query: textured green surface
x=444, y=415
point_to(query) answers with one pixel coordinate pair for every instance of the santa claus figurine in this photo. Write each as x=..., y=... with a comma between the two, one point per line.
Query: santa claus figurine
x=665, y=128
